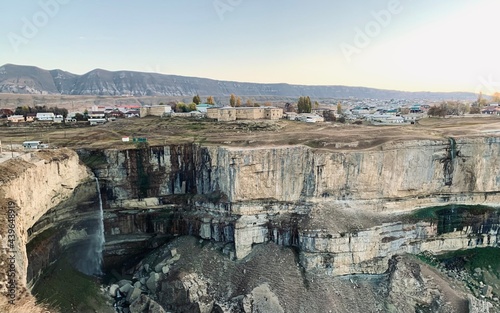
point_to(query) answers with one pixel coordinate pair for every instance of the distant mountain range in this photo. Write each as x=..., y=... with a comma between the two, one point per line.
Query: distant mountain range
x=33, y=80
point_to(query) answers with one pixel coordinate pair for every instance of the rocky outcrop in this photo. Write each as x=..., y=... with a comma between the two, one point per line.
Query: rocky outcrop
x=249, y=190
x=270, y=281
x=396, y=176
x=29, y=188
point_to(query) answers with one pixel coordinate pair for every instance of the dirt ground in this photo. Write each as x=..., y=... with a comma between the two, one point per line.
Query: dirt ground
x=329, y=136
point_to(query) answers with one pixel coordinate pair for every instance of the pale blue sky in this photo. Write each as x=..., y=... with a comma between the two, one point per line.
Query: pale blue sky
x=447, y=45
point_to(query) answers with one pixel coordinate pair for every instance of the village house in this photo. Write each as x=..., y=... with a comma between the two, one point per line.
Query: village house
x=16, y=118
x=30, y=117
x=310, y=118
x=96, y=114
x=202, y=107
x=491, y=110
x=45, y=116
x=155, y=110
x=244, y=113
x=6, y=113
x=97, y=121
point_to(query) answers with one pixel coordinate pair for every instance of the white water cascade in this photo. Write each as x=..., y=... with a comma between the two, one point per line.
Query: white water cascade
x=88, y=257
x=100, y=233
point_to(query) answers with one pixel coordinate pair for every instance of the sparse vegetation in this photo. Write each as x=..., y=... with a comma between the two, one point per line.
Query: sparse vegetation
x=175, y=130
x=68, y=290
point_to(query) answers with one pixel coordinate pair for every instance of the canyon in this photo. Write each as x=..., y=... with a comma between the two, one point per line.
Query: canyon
x=324, y=215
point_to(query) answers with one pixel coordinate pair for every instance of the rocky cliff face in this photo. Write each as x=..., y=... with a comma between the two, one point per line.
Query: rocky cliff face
x=30, y=187
x=343, y=211
x=290, y=195
x=393, y=177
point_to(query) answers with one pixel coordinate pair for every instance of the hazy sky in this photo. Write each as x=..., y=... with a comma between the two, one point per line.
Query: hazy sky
x=446, y=45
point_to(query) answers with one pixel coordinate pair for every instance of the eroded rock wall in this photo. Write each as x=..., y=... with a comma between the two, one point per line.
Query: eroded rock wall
x=253, y=190
x=392, y=172
x=32, y=186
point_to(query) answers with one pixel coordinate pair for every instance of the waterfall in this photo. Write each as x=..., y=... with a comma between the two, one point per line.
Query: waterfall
x=452, y=149
x=88, y=258
x=100, y=232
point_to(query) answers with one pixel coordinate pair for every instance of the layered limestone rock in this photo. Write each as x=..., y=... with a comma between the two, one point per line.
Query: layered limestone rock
x=383, y=178
x=393, y=171
x=368, y=251
x=250, y=189
x=32, y=186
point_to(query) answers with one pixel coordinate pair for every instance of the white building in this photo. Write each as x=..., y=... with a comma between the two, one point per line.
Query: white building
x=16, y=118
x=44, y=116
x=97, y=121
x=310, y=118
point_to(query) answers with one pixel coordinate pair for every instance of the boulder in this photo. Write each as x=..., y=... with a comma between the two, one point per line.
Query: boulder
x=133, y=295
x=152, y=282
x=112, y=290
x=126, y=288
x=123, y=282
x=159, y=267
x=145, y=304
x=487, y=291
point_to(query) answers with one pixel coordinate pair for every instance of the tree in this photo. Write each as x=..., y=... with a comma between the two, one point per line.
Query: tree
x=232, y=100
x=79, y=117
x=210, y=100
x=474, y=110
x=181, y=107
x=191, y=107
x=316, y=104
x=463, y=108
x=496, y=97
x=249, y=103
x=339, y=108
x=289, y=107
x=238, y=102
x=304, y=105
x=196, y=100
x=480, y=102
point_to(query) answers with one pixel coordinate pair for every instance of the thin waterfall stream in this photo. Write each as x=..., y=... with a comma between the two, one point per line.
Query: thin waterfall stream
x=99, y=233
x=91, y=262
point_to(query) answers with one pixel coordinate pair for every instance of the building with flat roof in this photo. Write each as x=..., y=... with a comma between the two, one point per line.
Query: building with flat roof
x=155, y=110
x=244, y=113
x=45, y=116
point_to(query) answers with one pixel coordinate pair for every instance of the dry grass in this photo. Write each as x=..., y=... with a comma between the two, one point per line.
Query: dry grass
x=26, y=304
x=249, y=133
